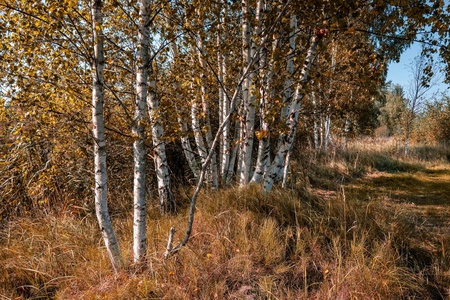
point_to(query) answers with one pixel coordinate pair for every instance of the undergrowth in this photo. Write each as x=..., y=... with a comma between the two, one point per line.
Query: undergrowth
x=292, y=244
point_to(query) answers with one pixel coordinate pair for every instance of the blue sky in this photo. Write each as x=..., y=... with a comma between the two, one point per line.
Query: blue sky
x=399, y=73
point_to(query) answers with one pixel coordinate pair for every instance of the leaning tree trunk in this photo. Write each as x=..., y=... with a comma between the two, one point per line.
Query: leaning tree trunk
x=209, y=138
x=166, y=199
x=98, y=130
x=287, y=139
x=139, y=233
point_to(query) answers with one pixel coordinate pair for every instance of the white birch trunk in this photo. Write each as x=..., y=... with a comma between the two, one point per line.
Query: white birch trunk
x=316, y=129
x=98, y=130
x=186, y=146
x=286, y=169
x=249, y=47
x=225, y=145
x=139, y=233
x=220, y=78
x=264, y=143
x=205, y=106
x=287, y=97
x=408, y=129
x=328, y=118
x=226, y=130
x=287, y=140
x=321, y=131
x=327, y=132
x=240, y=145
x=166, y=199
x=348, y=123
x=263, y=158
x=233, y=155
x=201, y=147
x=242, y=171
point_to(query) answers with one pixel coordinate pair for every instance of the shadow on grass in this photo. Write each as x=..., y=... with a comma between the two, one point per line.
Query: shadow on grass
x=427, y=187
x=388, y=164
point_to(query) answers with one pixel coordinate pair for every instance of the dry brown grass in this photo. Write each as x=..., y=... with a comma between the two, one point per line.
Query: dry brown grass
x=361, y=240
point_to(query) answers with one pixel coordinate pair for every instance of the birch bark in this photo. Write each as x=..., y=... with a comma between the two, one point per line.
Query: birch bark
x=234, y=153
x=328, y=118
x=139, y=233
x=197, y=131
x=243, y=169
x=249, y=47
x=225, y=145
x=316, y=129
x=327, y=131
x=263, y=157
x=166, y=199
x=348, y=124
x=98, y=130
x=287, y=97
x=186, y=145
x=286, y=169
x=205, y=106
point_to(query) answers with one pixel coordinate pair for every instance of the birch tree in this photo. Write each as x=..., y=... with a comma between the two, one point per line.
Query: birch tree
x=98, y=130
x=139, y=151
x=263, y=135
x=287, y=139
x=248, y=108
x=224, y=105
x=206, y=112
x=166, y=198
x=233, y=101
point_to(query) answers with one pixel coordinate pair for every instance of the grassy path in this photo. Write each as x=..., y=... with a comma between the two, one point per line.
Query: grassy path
x=423, y=195
x=422, y=199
